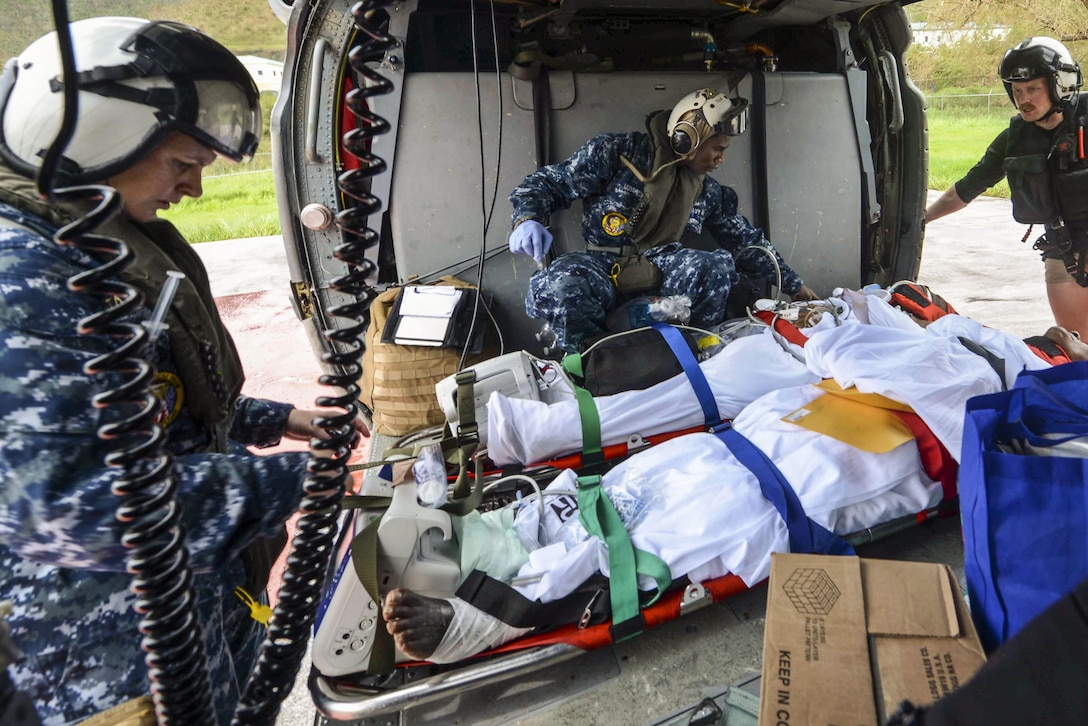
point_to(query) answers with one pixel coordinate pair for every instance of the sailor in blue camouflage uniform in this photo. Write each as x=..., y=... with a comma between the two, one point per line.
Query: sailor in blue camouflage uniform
x=641, y=193
x=61, y=561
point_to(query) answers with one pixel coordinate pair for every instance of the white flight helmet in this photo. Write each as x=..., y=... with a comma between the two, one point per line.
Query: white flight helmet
x=139, y=81
x=1042, y=57
x=702, y=114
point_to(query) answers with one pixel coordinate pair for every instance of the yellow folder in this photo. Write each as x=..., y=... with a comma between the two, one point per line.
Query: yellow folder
x=862, y=420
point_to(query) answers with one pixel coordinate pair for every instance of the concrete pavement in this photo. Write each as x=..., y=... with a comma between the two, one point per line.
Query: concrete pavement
x=973, y=258
x=250, y=283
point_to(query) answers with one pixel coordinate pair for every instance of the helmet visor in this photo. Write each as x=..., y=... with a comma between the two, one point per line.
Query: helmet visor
x=735, y=121
x=220, y=104
x=1024, y=64
x=225, y=119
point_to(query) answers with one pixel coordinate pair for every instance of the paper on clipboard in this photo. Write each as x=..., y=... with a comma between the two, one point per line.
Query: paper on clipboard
x=421, y=330
x=432, y=301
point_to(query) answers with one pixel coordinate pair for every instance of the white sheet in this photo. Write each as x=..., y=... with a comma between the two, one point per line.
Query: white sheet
x=689, y=502
x=524, y=432
x=933, y=375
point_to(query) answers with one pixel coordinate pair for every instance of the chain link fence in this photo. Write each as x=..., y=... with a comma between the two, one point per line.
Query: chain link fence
x=261, y=164
x=994, y=103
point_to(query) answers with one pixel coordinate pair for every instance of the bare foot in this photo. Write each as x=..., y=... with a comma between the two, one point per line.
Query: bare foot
x=417, y=623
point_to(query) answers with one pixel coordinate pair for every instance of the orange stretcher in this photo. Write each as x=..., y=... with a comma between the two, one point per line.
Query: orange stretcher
x=347, y=698
x=359, y=697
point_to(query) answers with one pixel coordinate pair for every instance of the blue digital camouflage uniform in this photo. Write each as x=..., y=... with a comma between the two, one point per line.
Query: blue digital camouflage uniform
x=574, y=294
x=60, y=558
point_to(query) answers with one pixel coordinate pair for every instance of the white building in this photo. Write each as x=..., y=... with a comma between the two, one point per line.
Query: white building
x=267, y=74
x=931, y=37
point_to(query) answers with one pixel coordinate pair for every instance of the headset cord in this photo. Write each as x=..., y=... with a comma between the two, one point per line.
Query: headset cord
x=487, y=210
x=328, y=474
x=172, y=639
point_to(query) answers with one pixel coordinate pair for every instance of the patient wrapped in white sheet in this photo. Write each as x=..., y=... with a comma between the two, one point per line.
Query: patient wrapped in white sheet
x=692, y=504
x=525, y=432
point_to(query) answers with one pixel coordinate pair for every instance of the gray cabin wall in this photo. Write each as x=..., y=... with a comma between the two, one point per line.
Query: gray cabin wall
x=441, y=192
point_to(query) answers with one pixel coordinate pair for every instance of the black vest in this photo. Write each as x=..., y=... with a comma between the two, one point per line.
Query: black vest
x=1048, y=171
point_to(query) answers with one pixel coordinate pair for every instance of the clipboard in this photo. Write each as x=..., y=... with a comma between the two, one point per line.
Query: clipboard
x=437, y=316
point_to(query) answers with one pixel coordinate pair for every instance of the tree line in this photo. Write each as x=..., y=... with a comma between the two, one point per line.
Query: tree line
x=971, y=65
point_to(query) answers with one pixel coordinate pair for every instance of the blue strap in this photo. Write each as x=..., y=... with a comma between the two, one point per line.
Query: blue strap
x=694, y=373
x=805, y=535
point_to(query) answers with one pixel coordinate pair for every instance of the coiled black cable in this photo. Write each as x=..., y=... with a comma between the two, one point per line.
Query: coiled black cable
x=173, y=639
x=328, y=474
x=161, y=578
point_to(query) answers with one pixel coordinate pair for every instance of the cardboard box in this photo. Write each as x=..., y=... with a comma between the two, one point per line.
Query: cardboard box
x=847, y=639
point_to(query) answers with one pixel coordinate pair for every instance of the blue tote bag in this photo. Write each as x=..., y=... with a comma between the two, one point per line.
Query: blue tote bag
x=1025, y=515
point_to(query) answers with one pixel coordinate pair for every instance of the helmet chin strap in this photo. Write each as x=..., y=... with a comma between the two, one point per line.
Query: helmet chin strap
x=1054, y=108
x=1061, y=106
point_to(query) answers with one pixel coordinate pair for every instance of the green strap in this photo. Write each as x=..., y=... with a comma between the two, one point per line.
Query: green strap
x=466, y=404
x=459, y=448
x=572, y=364
x=456, y=449
x=592, y=453
x=466, y=497
x=364, y=557
x=625, y=562
x=590, y=417
x=359, y=501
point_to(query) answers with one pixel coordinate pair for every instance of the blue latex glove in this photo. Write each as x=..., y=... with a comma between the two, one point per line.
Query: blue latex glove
x=531, y=238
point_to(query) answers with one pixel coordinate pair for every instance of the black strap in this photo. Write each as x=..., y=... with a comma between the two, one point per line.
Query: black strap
x=621, y=251
x=542, y=117
x=588, y=605
x=995, y=361
x=628, y=628
x=1051, y=351
x=760, y=174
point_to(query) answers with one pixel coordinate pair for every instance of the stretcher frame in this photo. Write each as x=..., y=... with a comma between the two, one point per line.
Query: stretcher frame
x=339, y=699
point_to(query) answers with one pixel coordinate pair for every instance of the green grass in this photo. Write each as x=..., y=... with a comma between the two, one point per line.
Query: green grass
x=247, y=27
x=957, y=141
x=241, y=205
x=239, y=200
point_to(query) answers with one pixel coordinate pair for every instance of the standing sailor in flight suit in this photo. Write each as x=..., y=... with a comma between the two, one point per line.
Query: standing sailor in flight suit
x=1043, y=155
x=642, y=191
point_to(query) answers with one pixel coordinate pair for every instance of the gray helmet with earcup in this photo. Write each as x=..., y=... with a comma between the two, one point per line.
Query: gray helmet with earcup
x=702, y=114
